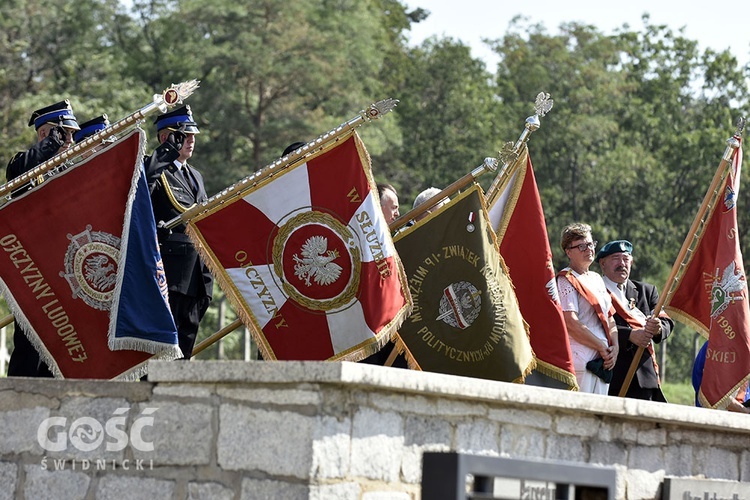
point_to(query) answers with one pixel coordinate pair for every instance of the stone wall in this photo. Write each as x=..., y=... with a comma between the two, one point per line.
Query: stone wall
x=299, y=430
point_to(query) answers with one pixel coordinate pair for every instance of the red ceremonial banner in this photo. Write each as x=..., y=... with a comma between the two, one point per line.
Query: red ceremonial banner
x=712, y=297
x=307, y=260
x=518, y=219
x=60, y=247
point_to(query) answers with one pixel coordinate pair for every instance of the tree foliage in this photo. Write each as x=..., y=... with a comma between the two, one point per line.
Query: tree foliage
x=636, y=133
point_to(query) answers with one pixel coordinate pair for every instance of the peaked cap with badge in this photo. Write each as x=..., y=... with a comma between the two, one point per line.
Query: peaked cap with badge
x=178, y=120
x=60, y=113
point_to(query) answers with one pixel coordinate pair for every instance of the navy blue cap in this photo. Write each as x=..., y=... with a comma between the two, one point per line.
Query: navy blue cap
x=181, y=119
x=617, y=246
x=91, y=127
x=60, y=113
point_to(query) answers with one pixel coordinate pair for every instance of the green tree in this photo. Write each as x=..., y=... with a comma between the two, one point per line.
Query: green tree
x=48, y=54
x=447, y=117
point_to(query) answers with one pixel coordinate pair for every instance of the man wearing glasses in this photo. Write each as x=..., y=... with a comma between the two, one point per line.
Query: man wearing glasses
x=587, y=310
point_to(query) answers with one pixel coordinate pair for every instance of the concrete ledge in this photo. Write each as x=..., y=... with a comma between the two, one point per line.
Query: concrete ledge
x=345, y=431
x=436, y=384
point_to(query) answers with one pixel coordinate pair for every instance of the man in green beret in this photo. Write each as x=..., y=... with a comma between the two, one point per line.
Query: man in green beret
x=634, y=303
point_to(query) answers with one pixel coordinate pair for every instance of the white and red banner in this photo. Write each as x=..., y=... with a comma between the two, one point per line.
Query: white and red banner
x=517, y=217
x=307, y=260
x=712, y=297
x=81, y=271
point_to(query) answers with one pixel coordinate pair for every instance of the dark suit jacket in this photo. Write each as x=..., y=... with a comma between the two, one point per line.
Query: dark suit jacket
x=646, y=297
x=24, y=161
x=171, y=195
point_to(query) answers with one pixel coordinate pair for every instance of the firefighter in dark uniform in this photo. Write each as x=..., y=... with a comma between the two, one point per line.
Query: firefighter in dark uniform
x=176, y=186
x=55, y=125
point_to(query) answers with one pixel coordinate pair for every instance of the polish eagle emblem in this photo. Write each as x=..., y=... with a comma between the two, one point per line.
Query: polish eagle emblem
x=100, y=272
x=727, y=290
x=317, y=262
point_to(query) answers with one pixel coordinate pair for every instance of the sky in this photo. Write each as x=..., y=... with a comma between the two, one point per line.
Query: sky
x=720, y=25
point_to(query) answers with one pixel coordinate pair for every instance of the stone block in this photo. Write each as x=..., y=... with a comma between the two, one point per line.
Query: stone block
x=678, y=460
x=628, y=432
x=18, y=434
x=115, y=487
x=745, y=467
x=209, y=491
x=646, y=458
x=275, y=443
x=717, y=463
x=52, y=485
x=652, y=437
x=377, y=445
x=185, y=391
x=11, y=400
x=606, y=453
x=696, y=437
x=255, y=489
x=530, y=418
x=8, y=480
x=450, y=407
x=643, y=485
x=330, y=448
x=87, y=421
x=181, y=434
x=427, y=431
x=275, y=397
x=521, y=442
x=568, y=448
x=336, y=491
x=478, y=436
x=576, y=425
x=403, y=403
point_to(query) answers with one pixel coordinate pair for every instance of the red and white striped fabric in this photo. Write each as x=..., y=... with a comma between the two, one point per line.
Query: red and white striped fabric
x=307, y=260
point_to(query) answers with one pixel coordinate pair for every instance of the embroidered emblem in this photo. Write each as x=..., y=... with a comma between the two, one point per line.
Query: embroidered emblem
x=727, y=289
x=91, y=267
x=317, y=261
x=460, y=305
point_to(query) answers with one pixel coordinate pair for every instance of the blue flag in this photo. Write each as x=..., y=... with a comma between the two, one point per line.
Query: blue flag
x=143, y=319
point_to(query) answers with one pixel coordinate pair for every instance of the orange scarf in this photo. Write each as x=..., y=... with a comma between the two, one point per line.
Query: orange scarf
x=590, y=298
x=635, y=324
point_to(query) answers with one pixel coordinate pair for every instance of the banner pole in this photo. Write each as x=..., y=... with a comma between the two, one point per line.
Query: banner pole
x=510, y=152
x=694, y=234
x=373, y=112
x=489, y=165
x=215, y=337
x=175, y=94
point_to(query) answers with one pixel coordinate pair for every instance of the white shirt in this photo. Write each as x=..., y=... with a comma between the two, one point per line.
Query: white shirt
x=619, y=294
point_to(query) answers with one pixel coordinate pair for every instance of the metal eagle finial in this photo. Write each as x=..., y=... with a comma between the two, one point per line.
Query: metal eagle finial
x=543, y=104
x=175, y=94
x=740, y=124
x=508, y=154
x=378, y=109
